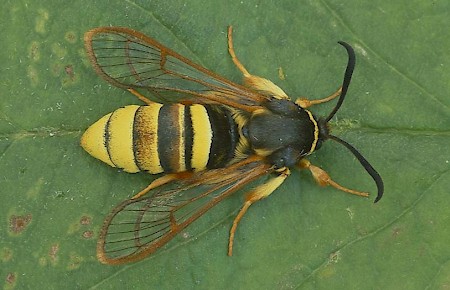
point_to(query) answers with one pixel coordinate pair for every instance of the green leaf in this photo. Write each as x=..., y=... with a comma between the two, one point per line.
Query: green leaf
x=54, y=197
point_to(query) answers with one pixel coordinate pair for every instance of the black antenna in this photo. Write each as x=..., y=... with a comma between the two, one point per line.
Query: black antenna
x=373, y=173
x=347, y=77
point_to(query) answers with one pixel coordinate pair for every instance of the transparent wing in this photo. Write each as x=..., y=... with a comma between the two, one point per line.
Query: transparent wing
x=129, y=59
x=138, y=227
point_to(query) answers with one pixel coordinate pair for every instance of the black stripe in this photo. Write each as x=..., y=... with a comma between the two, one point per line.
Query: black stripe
x=167, y=135
x=107, y=138
x=234, y=134
x=136, y=137
x=188, y=137
x=223, y=136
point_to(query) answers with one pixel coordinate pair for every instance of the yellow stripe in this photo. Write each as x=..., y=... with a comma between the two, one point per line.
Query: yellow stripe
x=181, y=149
x=263, y=152
x=202, y=138
x=121, y=138
x=146, y=127
x=93, y=140
x=316, y=132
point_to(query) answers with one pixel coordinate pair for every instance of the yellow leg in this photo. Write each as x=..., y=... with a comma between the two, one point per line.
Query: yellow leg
x=323, y=179
x=140, y=96
x=305, y=103
x=260, y=192
x=161, y=181
x=236, y=61
x=257, y=83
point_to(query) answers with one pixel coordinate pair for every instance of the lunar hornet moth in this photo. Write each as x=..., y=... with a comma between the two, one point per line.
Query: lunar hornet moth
x=209, y=136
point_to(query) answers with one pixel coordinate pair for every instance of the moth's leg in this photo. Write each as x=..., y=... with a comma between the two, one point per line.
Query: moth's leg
x=161, y=181
x=257, y=83
x=260, y=192
x=305, y=103
x=140, y=96
x=323, y=179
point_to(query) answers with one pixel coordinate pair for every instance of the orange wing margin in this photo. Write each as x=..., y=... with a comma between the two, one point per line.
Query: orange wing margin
x=131, y=60
x=138, y=227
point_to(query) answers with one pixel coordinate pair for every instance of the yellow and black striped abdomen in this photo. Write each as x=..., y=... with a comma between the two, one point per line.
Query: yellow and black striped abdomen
x=163, y=138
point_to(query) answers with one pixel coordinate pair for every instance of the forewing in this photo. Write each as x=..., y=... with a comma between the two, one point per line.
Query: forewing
x=138, y=227
x=129, y=59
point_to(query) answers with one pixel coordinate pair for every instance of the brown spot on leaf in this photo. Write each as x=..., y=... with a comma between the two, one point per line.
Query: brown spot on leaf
x=88, y=234
x=74, y=261
x=33, y=75
x=33, y=51
x=6, y=254
x=334, y=257
x=69, y=71
x=85, y=220
x=53, y=252
x=11, y=278
x=17, y=223
x=71, y=37
x=396, y=232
